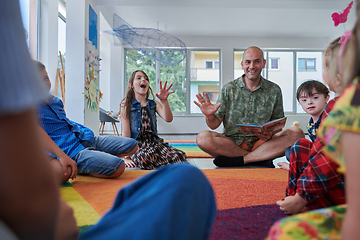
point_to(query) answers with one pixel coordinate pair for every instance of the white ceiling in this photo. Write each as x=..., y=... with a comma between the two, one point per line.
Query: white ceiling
x=248, y=18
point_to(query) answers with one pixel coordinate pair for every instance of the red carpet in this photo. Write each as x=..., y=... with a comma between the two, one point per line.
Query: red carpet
x=240, y=193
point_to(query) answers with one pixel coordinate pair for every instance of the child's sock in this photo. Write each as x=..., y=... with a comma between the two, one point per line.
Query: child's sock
x=222, y=161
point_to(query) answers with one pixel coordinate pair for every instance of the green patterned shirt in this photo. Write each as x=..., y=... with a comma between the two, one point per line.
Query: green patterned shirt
x=239, y=105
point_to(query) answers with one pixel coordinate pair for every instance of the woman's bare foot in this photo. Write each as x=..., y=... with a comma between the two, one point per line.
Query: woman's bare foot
x=283, y=165
x=129, y=163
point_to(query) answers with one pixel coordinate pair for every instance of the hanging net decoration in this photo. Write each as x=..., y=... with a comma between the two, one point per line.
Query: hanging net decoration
x=151, y=42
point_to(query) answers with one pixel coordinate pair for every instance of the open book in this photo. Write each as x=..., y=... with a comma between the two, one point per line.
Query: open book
x=272, y=126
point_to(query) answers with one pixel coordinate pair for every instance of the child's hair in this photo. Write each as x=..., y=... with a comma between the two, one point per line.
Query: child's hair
x=130, y=94
x=334, y=61
x=351, y=54
x=309, y=86
x=39, y=65
x=330, y=49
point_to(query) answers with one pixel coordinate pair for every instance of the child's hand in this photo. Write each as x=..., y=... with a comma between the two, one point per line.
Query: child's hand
x=164, y=93
x=129, y=163
x=292, y=204
x=65, y=162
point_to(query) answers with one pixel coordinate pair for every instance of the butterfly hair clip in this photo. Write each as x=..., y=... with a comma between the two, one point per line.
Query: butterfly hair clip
x=342, y=16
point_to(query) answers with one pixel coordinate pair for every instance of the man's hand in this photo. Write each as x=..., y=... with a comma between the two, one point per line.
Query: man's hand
x=265, y=136
x=292, y=204
x=66, y=224
x=65, y=162
x=206, y=107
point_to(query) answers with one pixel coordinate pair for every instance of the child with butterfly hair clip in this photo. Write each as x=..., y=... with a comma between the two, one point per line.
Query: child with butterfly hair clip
x=313, y=181
x=138, y=121
x=340, y=134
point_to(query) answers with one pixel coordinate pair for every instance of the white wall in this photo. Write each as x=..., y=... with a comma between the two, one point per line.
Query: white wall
x=112, y=79
x=75, y=60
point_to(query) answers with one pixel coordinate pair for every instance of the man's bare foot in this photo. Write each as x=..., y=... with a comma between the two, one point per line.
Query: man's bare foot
x=283, y=165
x=129, y=163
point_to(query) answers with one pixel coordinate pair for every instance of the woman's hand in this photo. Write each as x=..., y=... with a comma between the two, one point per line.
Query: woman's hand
x=164, y=92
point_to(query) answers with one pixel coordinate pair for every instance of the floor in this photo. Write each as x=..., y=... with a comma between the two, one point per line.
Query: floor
x=206, y=163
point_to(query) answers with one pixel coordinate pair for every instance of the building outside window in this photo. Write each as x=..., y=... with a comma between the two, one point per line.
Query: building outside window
x=209, y=64
x=274, y=63
x=204, y=80
x=307, y=64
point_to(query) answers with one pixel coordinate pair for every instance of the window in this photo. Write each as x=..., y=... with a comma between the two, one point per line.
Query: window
x=237, y=64
x=61, y=40
x=213, y=96
x=204, y=80
x=296, y=67
x=135, y=60
x=282, y=77
x=309, y=61
x=307, y=64
x=211, y=64
x=274, y=63
x=202, y=77
x=30, y=15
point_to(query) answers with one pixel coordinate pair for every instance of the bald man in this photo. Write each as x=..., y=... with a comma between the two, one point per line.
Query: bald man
x=247, y=99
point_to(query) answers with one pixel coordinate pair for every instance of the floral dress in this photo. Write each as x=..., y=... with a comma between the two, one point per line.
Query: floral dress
x=326, y=223
x=153, y=151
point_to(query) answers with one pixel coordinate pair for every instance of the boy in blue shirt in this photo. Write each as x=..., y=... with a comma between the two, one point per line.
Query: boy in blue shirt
x=98, y=156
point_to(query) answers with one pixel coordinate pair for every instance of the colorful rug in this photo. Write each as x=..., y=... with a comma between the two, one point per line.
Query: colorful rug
x=189, y=147
x=240, y=194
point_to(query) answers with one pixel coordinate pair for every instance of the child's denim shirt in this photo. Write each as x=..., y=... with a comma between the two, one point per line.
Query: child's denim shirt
x=135, y=117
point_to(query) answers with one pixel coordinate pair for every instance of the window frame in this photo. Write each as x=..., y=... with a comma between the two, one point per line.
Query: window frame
x=270, y=63
x=213, y=62
x=295, y=51
x=33, y=27
x=187, y=74
x=306, y=65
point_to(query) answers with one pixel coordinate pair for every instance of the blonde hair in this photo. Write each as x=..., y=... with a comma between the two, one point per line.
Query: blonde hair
x=330, y=49
x=130, y=94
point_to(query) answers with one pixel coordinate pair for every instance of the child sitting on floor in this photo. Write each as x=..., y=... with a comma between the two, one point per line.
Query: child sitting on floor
x=138, y=121
x=313, y=97
x=313, y=181
x=340, y=133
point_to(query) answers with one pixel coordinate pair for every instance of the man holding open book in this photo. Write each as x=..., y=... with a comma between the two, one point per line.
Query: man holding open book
x=249, y=99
